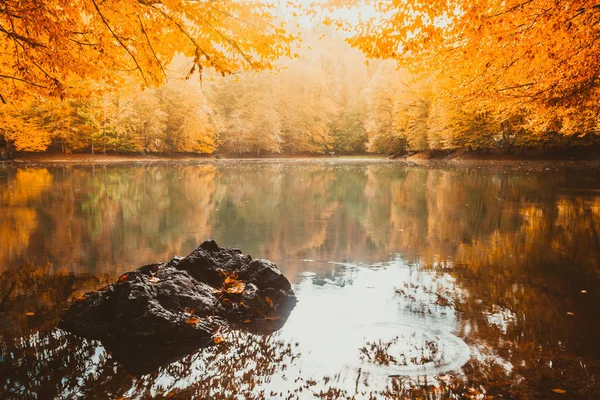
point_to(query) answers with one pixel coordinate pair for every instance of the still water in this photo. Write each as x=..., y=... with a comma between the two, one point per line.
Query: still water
x=414, y=281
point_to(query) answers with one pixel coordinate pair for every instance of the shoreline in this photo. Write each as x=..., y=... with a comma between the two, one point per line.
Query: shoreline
x=575, y=153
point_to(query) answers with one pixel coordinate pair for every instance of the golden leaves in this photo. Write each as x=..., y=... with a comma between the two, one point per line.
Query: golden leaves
x=559, y=391
x=519, y=57
x=134, y=36
x=217, y=339
x=231, y=285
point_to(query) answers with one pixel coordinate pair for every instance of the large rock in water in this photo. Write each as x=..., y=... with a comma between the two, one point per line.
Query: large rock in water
x=160, y=312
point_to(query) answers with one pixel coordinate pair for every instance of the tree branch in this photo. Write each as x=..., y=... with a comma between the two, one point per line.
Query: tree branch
x=105, y=21
x=14, y=78
x=151, y=48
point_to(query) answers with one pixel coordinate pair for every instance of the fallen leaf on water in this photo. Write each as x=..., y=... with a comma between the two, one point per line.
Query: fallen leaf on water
x=153, y=279
x=123, y=278
x=247, y=321
x=81, y=298
x=571, y=313
x=269, y=301
x=217, y=339
x=559, y=391
x=271, y=318
x=584, y=291
x=30, y=314
x=192, y=320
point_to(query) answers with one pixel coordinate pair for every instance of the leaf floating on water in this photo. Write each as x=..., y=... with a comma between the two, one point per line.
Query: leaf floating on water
x=217, y=339
x=571, y=314
x=153, y=279
x=123, y=278
x=269, y=301
x=559, y=391
x=247, y=321
x=584, y=291
x=30, y=314
x=193, y=320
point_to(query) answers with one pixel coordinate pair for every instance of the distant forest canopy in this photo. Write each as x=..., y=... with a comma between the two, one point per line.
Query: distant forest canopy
x=203, y=77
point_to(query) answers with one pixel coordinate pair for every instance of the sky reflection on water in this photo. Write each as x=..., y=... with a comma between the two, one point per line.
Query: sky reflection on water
x=446, y=281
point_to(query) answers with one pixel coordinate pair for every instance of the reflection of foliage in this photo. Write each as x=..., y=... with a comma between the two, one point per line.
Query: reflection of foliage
x=56, y=364
x=521, y=246
x=379, y=352
x=34, y=297
x=130, y=215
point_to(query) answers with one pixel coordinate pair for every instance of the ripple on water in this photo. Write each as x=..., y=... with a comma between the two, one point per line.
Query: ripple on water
x=355, y=322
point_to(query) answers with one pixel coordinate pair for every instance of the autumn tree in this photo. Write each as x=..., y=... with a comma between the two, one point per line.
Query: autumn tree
x=245, y=115
x=187, y=128
x=69, y=48
x=530, y=58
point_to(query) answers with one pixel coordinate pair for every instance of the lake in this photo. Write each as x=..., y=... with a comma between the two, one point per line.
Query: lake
x=441, y=280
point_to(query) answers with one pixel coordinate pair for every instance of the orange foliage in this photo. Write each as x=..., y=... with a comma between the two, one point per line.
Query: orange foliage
x=67, y=49
x=513, y=57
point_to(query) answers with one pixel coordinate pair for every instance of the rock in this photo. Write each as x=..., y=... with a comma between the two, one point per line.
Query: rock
x=169, y=309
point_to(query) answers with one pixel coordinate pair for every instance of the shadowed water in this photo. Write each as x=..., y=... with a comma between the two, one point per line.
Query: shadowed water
x=435, y=281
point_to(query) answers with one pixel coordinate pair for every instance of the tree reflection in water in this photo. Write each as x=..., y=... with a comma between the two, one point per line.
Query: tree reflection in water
x=496, y=257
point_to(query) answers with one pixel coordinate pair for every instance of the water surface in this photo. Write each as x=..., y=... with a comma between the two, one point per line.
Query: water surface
x=437, y=280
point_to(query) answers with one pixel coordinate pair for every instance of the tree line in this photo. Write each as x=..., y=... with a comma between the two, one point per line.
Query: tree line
x=418, y=75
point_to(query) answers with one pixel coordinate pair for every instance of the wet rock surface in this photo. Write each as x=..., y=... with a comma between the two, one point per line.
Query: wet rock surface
x=163, y=311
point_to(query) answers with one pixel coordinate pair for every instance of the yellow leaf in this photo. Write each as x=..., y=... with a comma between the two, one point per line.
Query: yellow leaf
x=217, y=339
x=269, y=301
x=189, y=310
x=193, y=320
x=30, y=314
x=559, y=391
x=234, y=286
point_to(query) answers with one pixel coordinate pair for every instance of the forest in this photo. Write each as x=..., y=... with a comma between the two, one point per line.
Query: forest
x=262, y=77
